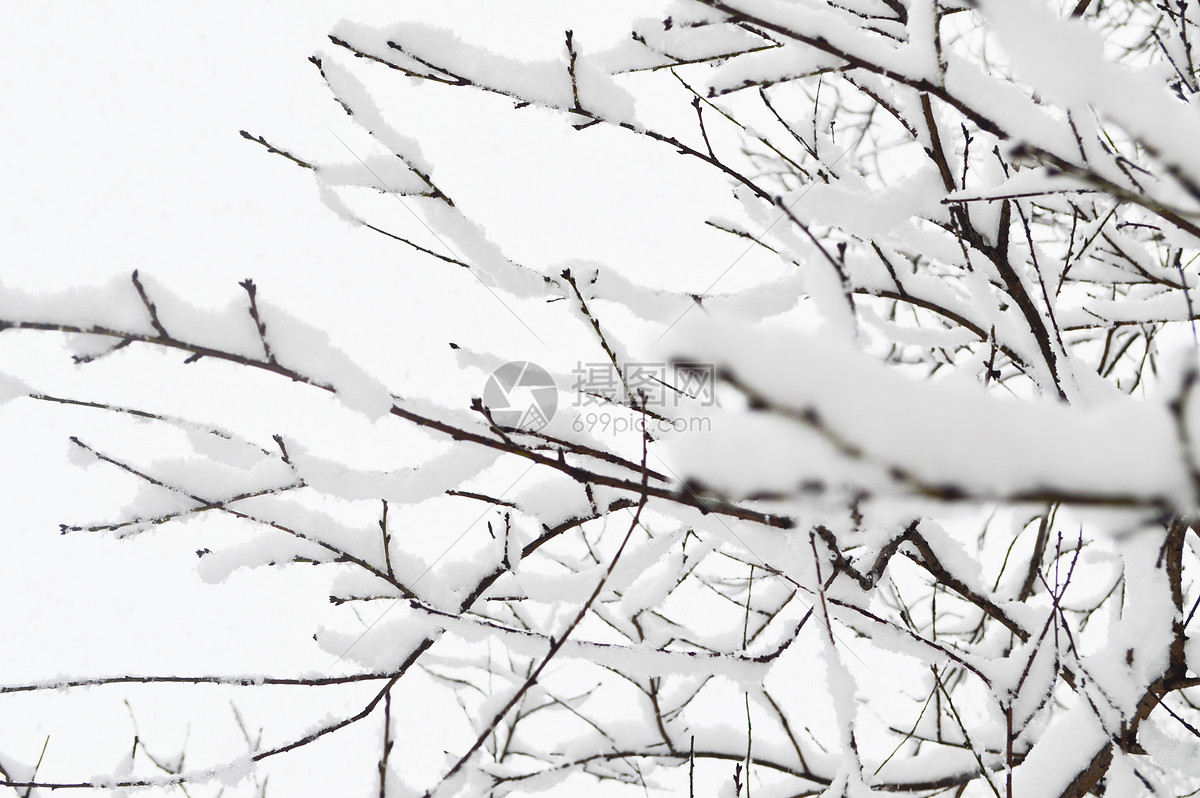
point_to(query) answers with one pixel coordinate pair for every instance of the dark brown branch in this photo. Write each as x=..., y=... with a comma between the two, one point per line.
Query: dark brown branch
x=259, y=324
x=681, y=496
x=233, y=681
x=557, y=643
x=341, y=554
x=150, y=307
x=276, y=151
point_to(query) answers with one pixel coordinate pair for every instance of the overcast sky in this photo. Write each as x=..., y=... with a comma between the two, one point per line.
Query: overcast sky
x=122, y=152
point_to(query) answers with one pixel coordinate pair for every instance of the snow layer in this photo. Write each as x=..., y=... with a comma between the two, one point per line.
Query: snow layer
x=874, y=428
x=11, y=388
x=1064, y=60
x=402, y=486
x=426, y=49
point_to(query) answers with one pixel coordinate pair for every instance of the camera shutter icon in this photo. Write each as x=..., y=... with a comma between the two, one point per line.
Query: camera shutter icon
x=521, y=394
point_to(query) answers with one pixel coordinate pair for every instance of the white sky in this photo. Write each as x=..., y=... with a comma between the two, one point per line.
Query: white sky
x=122, y=152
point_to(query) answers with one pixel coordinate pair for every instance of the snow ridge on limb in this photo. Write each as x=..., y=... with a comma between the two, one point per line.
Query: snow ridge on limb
x=832, y=413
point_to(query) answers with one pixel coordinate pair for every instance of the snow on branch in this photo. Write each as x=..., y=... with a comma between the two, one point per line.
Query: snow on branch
x=904, y=500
